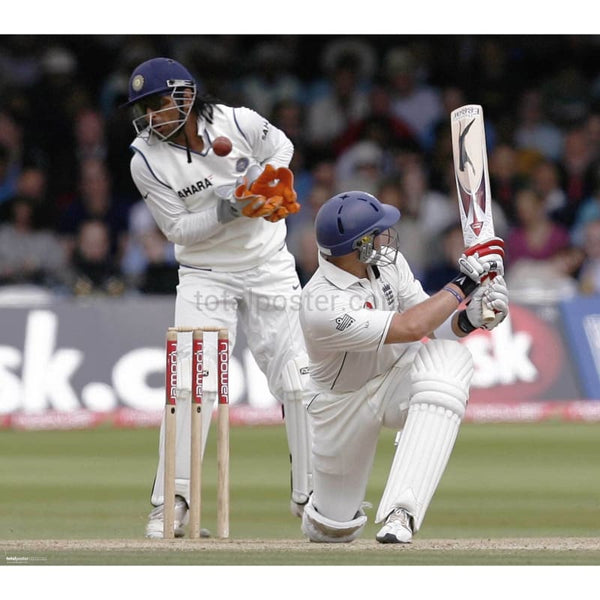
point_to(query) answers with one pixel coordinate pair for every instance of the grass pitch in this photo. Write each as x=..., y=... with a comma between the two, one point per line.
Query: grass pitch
x=522, y=494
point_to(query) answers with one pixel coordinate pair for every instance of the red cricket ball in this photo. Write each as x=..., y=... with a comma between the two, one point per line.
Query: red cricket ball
x=222, y=146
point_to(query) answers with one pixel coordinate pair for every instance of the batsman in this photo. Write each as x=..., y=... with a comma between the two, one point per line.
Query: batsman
x=383, y=353
x=224, y=209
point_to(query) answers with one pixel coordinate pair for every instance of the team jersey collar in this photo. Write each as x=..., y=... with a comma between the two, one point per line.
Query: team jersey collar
x=338, y=277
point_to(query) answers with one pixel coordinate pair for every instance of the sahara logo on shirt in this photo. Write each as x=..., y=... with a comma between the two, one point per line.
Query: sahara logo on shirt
x=194, y=188
x=344, y=322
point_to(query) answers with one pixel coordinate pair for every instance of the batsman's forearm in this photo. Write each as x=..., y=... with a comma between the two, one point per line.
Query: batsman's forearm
x=422, y=319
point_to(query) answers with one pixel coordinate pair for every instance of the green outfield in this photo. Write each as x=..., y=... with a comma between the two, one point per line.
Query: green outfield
x=513, y=494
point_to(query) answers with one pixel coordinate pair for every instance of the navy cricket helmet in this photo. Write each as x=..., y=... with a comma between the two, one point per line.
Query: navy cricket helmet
x=350, y=221
x=149, y=81
x=157, y=76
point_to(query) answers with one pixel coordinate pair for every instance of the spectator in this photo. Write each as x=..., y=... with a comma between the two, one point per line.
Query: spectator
x=434, y=210
x=436, y=275
x=288, y=115
x=545, y=179
x=330, y=115
x=26, y=254
x=412, y=242
x=438, y=138
x=578, y=172
x=592, y=131
x=534, y=131
x=567, y=95
x=301, y=227
x=94, y=270
x=9, y=175
x=33, y=184
x=378, y=125
x=160, y=275
x=534, y=236
x=505, y=180
x=95, y=201
x=416, y=103
x=588, y=211
x=89, y=135
x=54, y=102
x=361, y=167
x=307, y=257
x=589, y=276
x=546, y=281
x=19, y=61
x=270, y=79
x=141, y=237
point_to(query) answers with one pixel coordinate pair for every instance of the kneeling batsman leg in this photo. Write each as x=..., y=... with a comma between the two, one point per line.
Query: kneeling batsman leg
x=440, y=381
x=294, y=378
x=318, y=528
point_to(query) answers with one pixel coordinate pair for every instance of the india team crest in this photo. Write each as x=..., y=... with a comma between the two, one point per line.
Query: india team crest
x=138, y=83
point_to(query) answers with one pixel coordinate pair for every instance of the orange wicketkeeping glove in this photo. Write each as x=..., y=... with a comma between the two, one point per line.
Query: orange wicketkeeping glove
x=255, y=205
x=277, y=183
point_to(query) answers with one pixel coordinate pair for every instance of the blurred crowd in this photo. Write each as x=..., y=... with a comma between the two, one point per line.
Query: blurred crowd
x=364, y=112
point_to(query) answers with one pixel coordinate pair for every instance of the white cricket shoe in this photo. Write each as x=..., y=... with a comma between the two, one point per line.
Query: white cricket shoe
x=155, y=526
x=398, y=528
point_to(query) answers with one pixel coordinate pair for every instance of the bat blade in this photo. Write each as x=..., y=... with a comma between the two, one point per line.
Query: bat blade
x=471, y=173
x=469, y=150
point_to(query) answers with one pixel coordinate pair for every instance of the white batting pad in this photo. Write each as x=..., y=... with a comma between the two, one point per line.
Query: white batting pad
x=318, y=528
x=294, y=376
x=440, y=380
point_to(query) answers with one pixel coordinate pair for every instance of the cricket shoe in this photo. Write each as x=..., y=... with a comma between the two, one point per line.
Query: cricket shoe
x=398, y=528
x=155, y=526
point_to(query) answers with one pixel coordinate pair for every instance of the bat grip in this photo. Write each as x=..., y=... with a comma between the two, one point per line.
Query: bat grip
x=487, y=313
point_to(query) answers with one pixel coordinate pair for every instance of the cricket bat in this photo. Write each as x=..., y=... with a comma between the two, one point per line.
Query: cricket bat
x=472, y=179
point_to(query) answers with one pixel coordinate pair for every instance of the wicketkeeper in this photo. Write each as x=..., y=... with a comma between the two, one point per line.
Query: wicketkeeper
x=365, y=320
x=225, y=216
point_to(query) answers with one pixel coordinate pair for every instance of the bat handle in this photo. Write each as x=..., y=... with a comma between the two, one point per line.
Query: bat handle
x=487, y=313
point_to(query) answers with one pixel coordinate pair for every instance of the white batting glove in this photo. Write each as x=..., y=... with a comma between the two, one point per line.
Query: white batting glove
x=495, y=297
x=482, y=260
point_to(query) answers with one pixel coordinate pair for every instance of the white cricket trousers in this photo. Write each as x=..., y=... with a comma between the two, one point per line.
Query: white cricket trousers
x=345, y=429
x=265, y=301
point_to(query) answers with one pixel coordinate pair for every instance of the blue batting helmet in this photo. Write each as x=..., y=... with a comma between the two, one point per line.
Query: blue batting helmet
x=345, y=219
x=157, y=76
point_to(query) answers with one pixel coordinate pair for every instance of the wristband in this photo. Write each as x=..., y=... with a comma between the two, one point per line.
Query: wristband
x=466, y=284
x=463, y=322
x=454, y=293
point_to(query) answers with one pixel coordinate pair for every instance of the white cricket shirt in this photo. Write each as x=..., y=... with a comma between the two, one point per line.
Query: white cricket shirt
x=345, y=321
x=182, y=198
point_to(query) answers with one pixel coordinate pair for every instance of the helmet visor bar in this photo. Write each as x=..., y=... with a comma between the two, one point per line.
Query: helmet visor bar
x=144, y=111
x=378, y=249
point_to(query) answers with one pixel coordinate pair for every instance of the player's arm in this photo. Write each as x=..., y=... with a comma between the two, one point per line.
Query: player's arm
x=273, y=150
x=177, y=224
x=437, y=316
x=422, y=319
x=420, y=314
x=270, y=145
